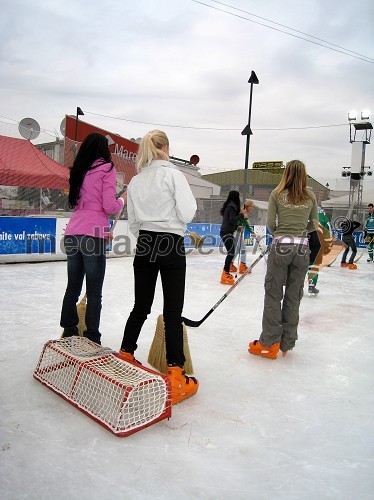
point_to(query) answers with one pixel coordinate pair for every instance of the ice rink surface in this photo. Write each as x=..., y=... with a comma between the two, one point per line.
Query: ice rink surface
x=299, y=427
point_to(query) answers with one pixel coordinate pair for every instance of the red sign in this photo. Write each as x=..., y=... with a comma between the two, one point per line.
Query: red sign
x=123, y=151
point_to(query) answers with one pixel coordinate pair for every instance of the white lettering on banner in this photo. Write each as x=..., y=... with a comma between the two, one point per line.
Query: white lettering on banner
x=20, y=236
x=38, y=236
x=123, y=153
x=4, y=236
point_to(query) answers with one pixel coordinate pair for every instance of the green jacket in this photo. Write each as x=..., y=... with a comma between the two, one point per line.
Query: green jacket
x=243, y=223
x=291, y=220
x=323, y=219
x=369, y=225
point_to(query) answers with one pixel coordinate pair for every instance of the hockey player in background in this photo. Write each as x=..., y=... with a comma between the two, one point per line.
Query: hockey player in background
x=369, y=232
x=315, y=254
x=348, y=226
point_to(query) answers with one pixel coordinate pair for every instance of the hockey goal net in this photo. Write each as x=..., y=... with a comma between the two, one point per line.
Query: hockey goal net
x=121, y=396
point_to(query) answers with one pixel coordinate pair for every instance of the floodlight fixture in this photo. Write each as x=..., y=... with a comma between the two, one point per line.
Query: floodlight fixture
x=346, y=172
x=352, y=116
x=365, y=115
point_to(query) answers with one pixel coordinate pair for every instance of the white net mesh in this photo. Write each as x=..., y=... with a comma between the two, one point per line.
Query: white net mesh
x=121, y=396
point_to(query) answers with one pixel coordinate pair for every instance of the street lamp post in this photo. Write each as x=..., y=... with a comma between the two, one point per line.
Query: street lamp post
x=248, y=132
x=79, y=113
x=253, y=80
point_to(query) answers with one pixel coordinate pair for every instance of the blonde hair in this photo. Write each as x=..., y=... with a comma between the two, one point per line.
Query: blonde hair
x=150, y=148
x=294, y=181
x=249, y=204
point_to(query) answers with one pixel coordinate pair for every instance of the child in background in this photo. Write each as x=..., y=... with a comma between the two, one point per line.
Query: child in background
x=241, y=226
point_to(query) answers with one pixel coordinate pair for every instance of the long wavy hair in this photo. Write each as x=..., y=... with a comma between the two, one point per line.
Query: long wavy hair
x=232, y=196
x=294, y=181
x=94, y=147
x=150, y=148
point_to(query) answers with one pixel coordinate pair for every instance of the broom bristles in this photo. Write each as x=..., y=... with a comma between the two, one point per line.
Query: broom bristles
x=81, y=310
x=157, y=352
x=196, y=239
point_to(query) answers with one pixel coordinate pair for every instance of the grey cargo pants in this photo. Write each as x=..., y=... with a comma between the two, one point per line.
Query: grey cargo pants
x=287, y=266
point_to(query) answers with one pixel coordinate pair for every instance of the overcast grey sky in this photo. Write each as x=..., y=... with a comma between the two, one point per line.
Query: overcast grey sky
x=181, y=63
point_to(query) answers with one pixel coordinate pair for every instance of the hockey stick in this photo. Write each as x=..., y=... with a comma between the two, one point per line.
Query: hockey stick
x=359, y=257
x=195, y=324
x=258, y=241
x=240, y=250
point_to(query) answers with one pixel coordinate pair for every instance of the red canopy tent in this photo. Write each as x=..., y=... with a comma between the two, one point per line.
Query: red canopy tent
x=23, y=164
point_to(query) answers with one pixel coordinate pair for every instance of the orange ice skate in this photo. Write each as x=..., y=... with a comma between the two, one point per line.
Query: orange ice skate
x=227, y=279
x=257, y=348
x=182, y=387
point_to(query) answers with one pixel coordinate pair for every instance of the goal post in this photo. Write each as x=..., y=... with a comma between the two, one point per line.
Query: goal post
x=119, y=395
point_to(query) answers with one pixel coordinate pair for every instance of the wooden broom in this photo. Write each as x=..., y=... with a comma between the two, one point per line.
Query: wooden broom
x=196, y=239
x=157, y=352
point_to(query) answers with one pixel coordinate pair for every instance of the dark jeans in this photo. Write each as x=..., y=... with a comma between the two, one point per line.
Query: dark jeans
x=350, y=242
x=229, y=242
x=86, y=257
x=158, y=253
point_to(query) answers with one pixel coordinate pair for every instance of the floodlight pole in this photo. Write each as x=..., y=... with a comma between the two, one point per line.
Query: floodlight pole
x=357, y=168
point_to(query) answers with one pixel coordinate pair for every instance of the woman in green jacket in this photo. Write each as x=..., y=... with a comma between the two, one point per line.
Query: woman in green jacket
x=291, y=211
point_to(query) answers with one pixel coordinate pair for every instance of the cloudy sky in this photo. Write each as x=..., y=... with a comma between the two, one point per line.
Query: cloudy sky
x=183, y=66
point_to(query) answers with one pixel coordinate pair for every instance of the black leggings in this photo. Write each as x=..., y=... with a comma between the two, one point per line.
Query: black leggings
x=158, y=253
x=229, y=242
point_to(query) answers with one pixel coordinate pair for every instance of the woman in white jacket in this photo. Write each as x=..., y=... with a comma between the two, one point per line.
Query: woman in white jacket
x=160, y=203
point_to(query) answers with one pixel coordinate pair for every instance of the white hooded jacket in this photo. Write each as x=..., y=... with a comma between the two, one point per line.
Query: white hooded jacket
x=159, y=199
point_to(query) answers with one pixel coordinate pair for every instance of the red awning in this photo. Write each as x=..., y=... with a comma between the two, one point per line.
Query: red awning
x=23, y=164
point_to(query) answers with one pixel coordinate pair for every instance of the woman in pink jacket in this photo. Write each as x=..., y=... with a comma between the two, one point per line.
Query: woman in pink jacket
x=92, y=194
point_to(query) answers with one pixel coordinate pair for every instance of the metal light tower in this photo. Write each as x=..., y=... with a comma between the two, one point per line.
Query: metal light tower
x=357, y=170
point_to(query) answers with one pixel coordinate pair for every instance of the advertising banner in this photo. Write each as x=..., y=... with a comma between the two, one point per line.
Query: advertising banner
x=23, y=235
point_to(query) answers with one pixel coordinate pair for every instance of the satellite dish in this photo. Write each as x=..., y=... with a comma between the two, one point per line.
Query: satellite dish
x=29, y=128
x=194, y=160
x=63, y=127
x=110, y=140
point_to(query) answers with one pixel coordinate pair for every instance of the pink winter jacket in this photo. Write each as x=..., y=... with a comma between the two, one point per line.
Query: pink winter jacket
x=97, y=200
